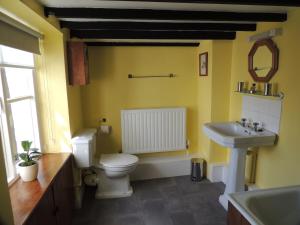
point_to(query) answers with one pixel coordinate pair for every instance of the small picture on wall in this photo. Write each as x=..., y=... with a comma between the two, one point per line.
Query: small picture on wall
x=203, y=64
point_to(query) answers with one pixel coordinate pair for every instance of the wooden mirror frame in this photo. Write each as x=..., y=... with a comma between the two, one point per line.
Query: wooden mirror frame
x=275, y=60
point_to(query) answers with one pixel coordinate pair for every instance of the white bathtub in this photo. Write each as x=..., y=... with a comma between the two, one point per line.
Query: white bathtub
x=280, y=206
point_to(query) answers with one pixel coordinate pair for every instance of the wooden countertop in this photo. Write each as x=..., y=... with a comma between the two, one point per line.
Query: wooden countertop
x=25, y=196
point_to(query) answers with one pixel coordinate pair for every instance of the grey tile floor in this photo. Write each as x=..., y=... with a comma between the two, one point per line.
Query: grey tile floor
x=167, y=201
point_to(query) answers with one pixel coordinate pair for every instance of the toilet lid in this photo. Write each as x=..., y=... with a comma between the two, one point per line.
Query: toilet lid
x=118, y=160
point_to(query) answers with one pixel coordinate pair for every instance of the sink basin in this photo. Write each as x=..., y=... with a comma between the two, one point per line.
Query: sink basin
x=280, y=206
x=233, y=135
x=239, y=139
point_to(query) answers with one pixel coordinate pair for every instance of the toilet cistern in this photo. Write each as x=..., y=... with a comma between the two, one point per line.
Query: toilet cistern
x=239, y=138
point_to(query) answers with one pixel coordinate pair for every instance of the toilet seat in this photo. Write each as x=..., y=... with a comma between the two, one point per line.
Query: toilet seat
x=119, y=160
x=118, y=165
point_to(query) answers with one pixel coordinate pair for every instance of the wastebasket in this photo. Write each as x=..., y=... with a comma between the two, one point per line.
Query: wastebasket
x=197, y=169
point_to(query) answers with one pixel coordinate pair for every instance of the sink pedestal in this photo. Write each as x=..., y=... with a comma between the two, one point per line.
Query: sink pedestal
x=239, y=139
x=236, y=174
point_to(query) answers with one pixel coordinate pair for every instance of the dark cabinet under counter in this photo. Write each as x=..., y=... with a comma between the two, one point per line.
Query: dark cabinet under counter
x=49, y=199
x=234, y=217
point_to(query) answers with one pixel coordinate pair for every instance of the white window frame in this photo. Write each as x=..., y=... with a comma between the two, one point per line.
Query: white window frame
x=6, y=119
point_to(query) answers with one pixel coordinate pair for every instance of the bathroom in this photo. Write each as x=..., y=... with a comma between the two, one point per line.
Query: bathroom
x=139, y=71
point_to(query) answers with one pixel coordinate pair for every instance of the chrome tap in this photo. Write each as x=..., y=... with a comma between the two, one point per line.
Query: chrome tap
x=244, y=122
x=255, y=126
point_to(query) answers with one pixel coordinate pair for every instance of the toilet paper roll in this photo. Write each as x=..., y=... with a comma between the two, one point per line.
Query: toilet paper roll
x=90, y=180
x=105, y=129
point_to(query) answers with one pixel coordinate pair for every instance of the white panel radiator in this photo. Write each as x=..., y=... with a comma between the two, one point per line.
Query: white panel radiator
x=153, y=130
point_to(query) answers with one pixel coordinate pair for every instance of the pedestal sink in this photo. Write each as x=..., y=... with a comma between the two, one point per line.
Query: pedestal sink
x=239, y=139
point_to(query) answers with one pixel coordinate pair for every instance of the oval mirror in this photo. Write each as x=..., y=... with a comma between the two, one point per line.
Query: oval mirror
x=263, y=60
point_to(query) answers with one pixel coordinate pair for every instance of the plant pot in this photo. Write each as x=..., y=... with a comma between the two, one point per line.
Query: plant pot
x=28, y=173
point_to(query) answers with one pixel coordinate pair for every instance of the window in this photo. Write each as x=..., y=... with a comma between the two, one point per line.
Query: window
x=18, y=104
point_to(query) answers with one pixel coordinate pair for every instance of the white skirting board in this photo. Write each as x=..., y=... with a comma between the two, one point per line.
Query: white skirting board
x=160, y=167
x=253, y=187
x=217, y=172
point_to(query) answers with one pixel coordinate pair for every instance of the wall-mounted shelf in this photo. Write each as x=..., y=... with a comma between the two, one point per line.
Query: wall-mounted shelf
x=279, y=96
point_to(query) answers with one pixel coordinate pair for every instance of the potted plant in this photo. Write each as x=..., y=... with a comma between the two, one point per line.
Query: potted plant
x=28, y=167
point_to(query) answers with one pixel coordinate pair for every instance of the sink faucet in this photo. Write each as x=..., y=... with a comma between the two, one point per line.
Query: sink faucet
x=249, y=124
x=255, y=126
x=243, y=122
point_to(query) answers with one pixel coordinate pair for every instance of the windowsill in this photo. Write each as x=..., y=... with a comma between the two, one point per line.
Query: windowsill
x=13, y=180
x=25, y=196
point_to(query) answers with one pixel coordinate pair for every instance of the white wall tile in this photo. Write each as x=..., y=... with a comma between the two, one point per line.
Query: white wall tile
x=263, y=110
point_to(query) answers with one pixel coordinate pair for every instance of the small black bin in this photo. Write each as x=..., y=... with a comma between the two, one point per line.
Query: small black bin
x=197, y=169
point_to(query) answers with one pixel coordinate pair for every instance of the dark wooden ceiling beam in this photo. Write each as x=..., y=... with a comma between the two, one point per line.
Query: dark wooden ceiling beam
x=134, y=34
x=146, y=44
x=149, y=14
x=230, y=2
x=158, y=26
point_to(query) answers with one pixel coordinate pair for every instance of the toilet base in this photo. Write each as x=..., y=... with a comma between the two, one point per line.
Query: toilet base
x=113, y=187
x=105, y=195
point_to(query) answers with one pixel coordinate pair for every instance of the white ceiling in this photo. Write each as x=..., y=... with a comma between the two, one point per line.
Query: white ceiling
x=161, y=5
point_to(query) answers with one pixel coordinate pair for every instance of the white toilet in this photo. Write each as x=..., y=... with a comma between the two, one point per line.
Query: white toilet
x=112, y=169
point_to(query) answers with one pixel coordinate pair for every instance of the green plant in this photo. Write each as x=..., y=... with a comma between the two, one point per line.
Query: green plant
x=29, y=155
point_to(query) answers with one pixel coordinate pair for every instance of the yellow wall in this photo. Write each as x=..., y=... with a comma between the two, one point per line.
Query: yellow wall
x=204, y=98
x=5, y=206
x=75, y=109
x=52, y=96
x=39, y=9
x=279, y=165
x=74, y=96
x=110, y=90
x=214, y=95
x=207, y=98
x=220, y=92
